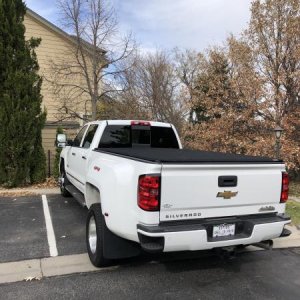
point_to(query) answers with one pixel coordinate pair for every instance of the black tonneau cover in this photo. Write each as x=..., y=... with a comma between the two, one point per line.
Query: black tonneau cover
x=172, y=156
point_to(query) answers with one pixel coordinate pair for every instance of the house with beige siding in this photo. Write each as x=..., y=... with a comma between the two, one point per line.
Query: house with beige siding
x=54, y=49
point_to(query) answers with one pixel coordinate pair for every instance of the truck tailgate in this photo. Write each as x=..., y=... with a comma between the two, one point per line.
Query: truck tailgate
x=193, y=191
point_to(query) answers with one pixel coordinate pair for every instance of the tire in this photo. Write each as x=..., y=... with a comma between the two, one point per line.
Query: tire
x=95, y=226
x=63, y=181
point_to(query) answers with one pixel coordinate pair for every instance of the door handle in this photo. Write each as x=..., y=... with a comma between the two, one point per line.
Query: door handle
x=74, y=154
x=83, y=157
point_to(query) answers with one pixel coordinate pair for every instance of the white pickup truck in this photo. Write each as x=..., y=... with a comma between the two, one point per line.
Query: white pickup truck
x=144, y=192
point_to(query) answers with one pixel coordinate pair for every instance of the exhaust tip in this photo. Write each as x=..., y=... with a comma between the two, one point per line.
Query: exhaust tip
x=267, y=245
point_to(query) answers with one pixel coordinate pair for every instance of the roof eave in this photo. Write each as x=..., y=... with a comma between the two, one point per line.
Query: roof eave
x=56, y=29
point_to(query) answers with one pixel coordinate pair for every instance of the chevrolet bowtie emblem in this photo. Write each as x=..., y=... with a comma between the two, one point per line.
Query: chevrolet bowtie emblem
x=227, y=194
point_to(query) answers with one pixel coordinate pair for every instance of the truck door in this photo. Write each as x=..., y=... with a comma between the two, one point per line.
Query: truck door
x=83, y=153
x=73, y=159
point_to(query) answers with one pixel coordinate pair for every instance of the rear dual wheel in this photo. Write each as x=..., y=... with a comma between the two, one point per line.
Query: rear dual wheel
x=95, y=226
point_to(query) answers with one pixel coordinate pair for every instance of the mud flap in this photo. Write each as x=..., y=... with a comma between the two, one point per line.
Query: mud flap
x=115, y=247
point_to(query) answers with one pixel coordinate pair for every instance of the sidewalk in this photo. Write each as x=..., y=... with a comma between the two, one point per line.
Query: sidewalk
x=290, y=241
x=293, y=198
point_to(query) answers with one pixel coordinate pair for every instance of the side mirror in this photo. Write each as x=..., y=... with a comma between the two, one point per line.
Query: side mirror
x=61, y=141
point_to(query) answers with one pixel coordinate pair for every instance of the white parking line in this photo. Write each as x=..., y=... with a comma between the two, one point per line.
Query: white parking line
x=49, y=227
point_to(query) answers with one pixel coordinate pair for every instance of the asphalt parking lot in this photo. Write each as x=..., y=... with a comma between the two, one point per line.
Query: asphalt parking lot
x=252, y=275
x=23, y=232
x=24, y=235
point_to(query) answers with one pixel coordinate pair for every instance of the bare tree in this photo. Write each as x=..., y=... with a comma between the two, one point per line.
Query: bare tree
x=87, y=72
x=188, y=67
x=152, y=86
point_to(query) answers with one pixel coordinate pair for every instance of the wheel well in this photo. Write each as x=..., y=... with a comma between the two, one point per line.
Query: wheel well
x=92, y=195
x=62, y=165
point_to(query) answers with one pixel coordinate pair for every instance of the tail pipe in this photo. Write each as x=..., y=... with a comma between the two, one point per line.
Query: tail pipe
x=268, y=245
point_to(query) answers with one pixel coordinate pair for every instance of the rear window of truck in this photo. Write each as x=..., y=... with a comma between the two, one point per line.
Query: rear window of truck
x=120, y=136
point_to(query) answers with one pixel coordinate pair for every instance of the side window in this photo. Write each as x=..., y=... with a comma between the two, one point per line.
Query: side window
x=89, y=136
x=79, y=137
x=163, y=137
x=116, y=136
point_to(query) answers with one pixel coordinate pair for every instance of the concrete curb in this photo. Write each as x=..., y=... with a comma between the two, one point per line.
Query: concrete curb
x=36, y=269
x=62, y=265
x=19, y=271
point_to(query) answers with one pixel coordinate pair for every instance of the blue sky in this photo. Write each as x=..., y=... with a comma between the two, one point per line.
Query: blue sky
x=166, y=24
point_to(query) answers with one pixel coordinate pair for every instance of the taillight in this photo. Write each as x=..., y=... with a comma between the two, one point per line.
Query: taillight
x=284, y=187
x=149, y=192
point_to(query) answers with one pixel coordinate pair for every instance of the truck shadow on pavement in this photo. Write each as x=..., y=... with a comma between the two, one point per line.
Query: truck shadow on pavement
x=190, y=261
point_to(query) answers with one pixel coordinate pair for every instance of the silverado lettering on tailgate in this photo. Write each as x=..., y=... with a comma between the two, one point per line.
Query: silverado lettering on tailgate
x=182, y=216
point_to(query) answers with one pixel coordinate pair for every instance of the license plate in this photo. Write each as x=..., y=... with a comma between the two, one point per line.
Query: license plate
x=223, y=230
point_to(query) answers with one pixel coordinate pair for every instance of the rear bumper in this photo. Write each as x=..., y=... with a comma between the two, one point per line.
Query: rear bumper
x=168, y=237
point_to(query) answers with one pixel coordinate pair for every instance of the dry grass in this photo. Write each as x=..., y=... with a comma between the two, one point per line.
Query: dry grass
x=28, y=190
x=293, y=210
x=16, y=193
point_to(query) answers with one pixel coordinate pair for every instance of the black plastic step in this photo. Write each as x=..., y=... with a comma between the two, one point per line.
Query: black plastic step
x=76, y=194
x=152, y=244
